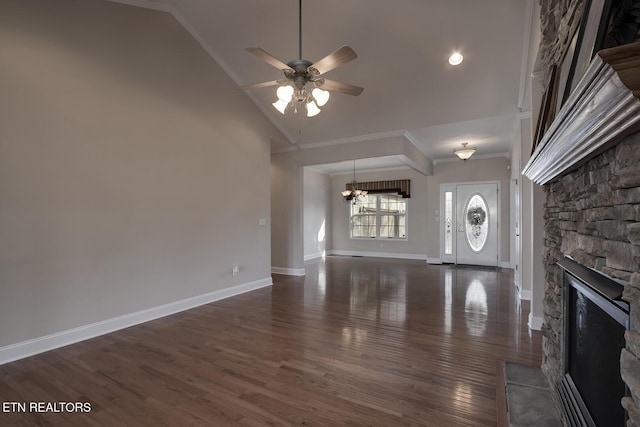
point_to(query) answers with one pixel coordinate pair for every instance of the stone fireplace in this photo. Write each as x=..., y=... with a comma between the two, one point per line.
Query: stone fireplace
x=592, y=215
x=589, y=165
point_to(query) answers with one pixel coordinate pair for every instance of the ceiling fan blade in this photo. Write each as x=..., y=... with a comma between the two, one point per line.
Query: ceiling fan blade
x=345, y=88
x=335, y=59
x=260, y=85
x=266, y=56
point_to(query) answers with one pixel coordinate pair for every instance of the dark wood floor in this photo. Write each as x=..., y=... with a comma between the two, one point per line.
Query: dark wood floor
x=358, y=341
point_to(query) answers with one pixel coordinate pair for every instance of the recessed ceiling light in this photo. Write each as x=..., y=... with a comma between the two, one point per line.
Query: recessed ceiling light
x=456, y=58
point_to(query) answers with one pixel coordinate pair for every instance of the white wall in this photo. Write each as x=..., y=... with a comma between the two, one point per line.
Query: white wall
x=532, y=197
x=416, y=244
x=473, y=170
x=120, y=140
x=316, y=213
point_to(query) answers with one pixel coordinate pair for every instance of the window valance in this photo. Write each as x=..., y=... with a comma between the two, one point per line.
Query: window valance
x=400, y=186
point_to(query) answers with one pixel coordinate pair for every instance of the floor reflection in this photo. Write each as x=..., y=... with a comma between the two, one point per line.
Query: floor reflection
x=448, y=300
x=353, y=336
x=379, y=295
x=475, y=308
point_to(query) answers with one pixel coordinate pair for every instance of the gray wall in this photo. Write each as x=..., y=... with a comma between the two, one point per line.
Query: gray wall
x=120, y=140
x=287, y=240
x=316, y=213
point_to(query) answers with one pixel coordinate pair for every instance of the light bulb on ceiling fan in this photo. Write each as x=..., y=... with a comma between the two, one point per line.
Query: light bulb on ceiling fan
x=321, y=96
x=284, y=93
x=280, y=105
x=312, y=109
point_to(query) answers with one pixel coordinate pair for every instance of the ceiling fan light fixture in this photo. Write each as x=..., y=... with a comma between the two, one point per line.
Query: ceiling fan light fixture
x=303, y=74
x=284, y=93
x=464, y=153
x=280, y=105
x=321, y=96
x=312, y=109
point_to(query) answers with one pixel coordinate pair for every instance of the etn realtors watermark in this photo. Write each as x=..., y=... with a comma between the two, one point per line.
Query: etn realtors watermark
x=44, y=407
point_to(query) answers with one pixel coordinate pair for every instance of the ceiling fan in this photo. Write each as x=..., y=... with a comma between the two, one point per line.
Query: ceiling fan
x=301, y=74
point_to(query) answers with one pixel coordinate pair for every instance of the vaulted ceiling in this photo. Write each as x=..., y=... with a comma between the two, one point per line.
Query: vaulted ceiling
x=402, y=47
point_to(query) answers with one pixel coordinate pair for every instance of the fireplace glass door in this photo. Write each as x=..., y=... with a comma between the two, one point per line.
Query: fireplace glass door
x=595, y=331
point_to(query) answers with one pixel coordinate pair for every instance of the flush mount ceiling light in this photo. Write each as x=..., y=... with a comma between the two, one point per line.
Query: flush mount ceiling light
x=464, y=153
x=456, y=58
x=293, y=90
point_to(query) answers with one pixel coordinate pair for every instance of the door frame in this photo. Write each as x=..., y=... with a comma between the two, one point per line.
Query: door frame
x=451, y=186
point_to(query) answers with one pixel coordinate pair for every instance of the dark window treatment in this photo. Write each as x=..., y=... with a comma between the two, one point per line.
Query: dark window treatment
x=400, y=186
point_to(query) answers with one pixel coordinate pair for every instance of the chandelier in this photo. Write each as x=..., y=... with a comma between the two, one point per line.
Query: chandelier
x=354, y=194
x=464, y=153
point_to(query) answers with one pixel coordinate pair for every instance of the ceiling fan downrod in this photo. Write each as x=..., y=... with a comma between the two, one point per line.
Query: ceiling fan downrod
x=300, y=29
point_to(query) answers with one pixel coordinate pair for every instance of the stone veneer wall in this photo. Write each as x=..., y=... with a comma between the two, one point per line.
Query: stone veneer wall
x=559, y=20
x=593, y=215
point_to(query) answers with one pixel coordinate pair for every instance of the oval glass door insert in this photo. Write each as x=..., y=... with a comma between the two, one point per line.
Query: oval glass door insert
x=476, y=219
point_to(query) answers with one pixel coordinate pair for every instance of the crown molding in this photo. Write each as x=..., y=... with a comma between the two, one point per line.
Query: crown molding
x=148, y=4
x=415, y=143
x=360, y=138
x=350, y=139
x=526, y=47
x=373, y=170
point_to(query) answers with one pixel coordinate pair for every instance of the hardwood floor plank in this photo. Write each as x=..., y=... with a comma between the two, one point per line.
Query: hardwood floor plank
x=357, y=341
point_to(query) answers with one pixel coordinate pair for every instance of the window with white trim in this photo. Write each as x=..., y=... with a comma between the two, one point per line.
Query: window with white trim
x=382, y=216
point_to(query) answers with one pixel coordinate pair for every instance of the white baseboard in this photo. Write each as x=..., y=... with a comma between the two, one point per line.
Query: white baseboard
x=60, y=339
x=289, y=271
x=535, y=322
x=378, y=254
x=526, y=295
x=313, y=256
x=503, y=264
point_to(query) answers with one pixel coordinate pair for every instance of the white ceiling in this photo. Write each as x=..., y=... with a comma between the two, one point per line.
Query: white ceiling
x=402, y=48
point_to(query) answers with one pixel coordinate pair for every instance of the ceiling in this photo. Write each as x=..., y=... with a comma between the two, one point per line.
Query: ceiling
x=402, y=47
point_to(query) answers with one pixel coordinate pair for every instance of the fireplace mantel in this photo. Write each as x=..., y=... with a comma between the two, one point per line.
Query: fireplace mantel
x=604, y=108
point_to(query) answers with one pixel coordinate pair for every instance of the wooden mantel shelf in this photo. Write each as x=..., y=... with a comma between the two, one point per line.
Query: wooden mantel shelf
x=603, y=108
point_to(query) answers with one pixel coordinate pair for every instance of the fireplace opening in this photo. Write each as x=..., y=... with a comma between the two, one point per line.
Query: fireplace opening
x=595, y=321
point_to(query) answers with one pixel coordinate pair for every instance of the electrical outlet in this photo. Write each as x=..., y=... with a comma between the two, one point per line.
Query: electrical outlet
x=235, y=270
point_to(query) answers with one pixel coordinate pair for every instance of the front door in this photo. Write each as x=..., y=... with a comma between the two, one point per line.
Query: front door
x=477, y=224
x=470, y=224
